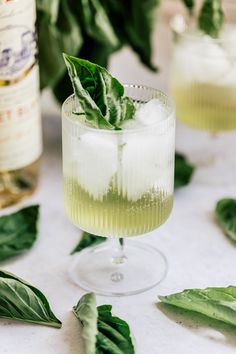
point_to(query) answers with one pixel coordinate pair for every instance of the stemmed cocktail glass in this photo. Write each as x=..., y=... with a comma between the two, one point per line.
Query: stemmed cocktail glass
x=119, y=184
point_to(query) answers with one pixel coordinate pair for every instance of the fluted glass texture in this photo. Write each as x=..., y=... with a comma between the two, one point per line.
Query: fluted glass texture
x=203, y=79
x=119, y=183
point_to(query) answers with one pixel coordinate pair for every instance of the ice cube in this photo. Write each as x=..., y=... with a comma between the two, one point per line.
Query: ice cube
x=97, y=162
x=145, y=163
x=202, y=60
x=151, y=112
x=131, y=124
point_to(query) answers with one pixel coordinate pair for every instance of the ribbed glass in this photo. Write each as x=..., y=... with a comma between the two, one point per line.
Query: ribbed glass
x=203, y=76
x=119, y=183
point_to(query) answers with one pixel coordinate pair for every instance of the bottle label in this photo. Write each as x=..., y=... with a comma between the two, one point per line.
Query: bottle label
x=20, y=121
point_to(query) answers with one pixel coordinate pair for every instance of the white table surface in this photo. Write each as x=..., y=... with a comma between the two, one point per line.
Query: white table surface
x=199, y=255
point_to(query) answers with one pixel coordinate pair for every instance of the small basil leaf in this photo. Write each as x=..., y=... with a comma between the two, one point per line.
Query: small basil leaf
x=100, y=95
x=88, y=240
x=22, y=302
x=225, y=212
x=183, y=171
x=18, y=231
x=102, y=332
x=216, y=303
x=211, y=17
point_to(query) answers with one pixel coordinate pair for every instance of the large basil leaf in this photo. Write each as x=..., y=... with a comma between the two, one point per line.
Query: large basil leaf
x=216, y=303
x=100, y=95
x=50, y=8
x=102, y=332
x=137, y=19
x=183, y=170
x=211, y=17
x=96, y=22
x=88, y=240
x=56, y=34
x=23, y=302
x=225, y=212
x=18, y=231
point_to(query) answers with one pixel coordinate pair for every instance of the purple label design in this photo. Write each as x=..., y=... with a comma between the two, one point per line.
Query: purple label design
x=17, y=50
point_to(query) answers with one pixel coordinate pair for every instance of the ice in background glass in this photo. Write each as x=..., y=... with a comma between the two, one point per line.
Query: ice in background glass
x=203, y=76
x=119, y=184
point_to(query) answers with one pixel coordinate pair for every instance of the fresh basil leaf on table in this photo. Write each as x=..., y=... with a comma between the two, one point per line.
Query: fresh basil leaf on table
x=225, y=212
x=18, y=231
x=100, y=95
x=102, y=332
x=216, y=303
x=211, y=17
x=22, y=302
x=183, y=170
x=88, y=240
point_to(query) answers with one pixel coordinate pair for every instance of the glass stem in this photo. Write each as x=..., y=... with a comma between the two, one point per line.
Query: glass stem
x=119, y=256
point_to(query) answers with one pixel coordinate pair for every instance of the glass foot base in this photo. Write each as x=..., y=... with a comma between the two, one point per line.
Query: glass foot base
x=99, y=270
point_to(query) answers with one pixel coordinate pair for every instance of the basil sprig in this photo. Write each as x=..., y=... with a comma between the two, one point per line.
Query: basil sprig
x=102, y=332
x=18, y=231
x=100, y=95
x=21, y=301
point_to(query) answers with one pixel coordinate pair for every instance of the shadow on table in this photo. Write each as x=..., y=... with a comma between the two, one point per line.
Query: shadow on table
x=201, y=325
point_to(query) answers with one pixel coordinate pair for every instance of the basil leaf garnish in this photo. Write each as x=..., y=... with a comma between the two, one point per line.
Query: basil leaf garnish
x=88, y=240
x=102, y=332
x=100, y=95
x=18, y=231
x=183, y=170
x=211, y=17
x=225, y=212
x=22, y=302
x=216, y=303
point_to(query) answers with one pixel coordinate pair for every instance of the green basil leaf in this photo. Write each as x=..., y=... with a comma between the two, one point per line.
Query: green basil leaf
x=114, y=334
x=211, y=17
x=55, y=37
x=22, y=302
x=102, y=332
x=100, y=95
x=88, y=240
x=96, y=52
x=189, y=4
x=86, y=312
x=18, y=232
x=183, y=171
x=225, y=212
x=50, y=8
x=96, y=22
x=137, y=18
x=216, y=303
